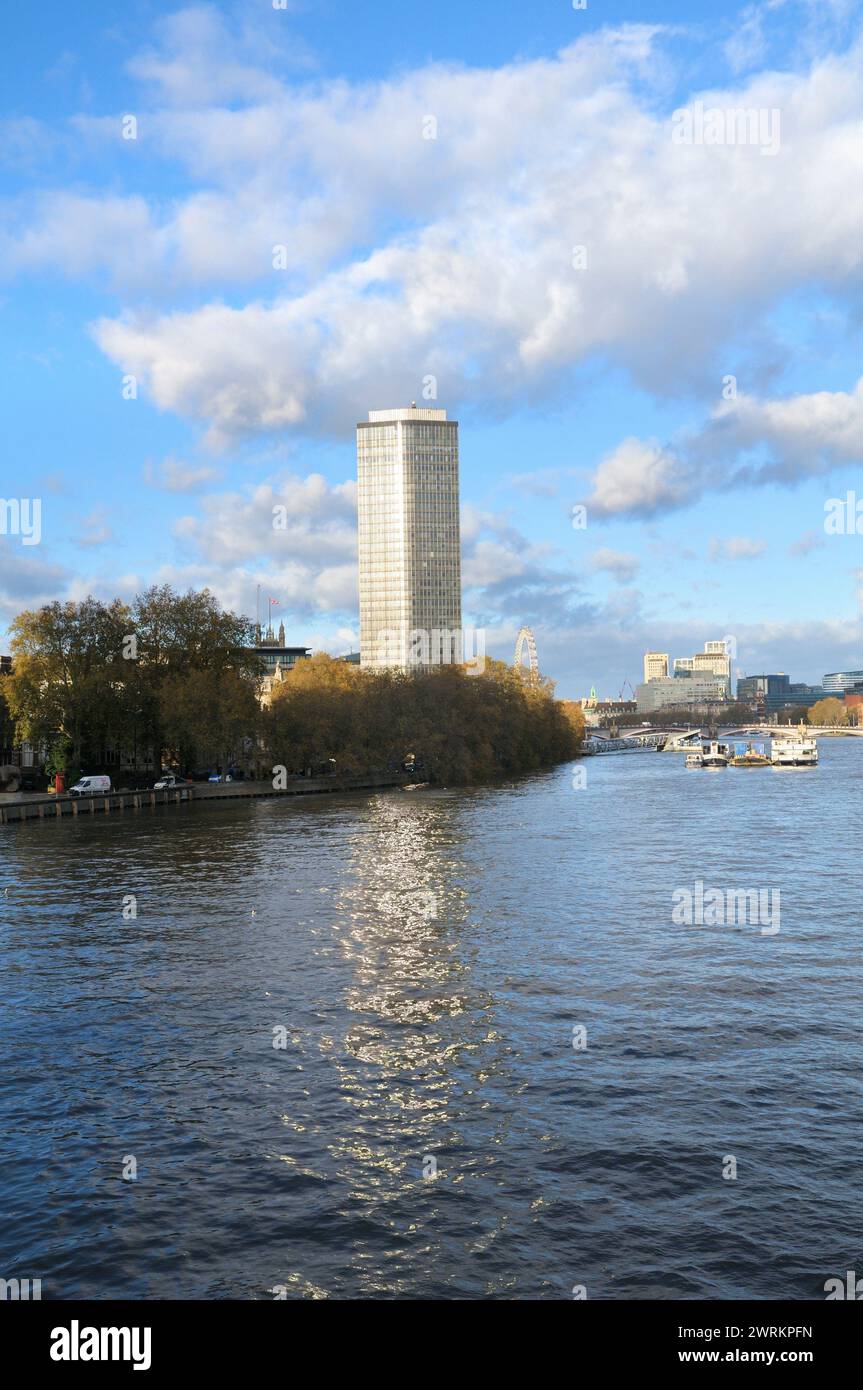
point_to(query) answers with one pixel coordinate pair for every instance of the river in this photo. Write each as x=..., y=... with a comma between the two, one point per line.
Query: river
x=502, y=1070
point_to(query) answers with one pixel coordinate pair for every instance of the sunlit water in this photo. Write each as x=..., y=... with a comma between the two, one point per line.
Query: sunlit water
x=429, y=955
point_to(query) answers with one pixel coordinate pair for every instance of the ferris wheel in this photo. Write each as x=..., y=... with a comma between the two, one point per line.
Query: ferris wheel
x=524, y=639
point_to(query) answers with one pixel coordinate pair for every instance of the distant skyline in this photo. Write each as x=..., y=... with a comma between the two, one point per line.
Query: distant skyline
x=330, y=208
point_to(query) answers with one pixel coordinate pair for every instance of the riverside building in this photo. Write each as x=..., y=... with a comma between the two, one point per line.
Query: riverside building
x=409, y=540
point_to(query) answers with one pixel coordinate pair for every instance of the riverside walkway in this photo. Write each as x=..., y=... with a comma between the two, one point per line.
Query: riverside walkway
x=27, y=806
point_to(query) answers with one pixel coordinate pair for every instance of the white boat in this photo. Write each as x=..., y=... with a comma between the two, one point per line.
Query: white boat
x=694, y=760
x=795, y=750
x=714, y=755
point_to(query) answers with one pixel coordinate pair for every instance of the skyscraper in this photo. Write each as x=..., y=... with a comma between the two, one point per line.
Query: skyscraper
x=655, y=665
x=409, y=548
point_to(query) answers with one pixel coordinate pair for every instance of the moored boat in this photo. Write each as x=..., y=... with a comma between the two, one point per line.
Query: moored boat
x=694, y=760
x=794, y=751
x=714, y=755
x=749, y=755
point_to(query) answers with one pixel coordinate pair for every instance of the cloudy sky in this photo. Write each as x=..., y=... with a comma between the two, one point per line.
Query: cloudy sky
x=228, y=230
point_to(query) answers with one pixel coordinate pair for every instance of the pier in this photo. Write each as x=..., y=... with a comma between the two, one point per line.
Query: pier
x=24, y=806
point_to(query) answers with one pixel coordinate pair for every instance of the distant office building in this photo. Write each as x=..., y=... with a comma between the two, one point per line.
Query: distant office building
x=837, y=682
x=803, y=694
x=713, y=661
x=664, y=692
x=714, y=664
x=409, y=544
x=770, y=693
x=655, y=665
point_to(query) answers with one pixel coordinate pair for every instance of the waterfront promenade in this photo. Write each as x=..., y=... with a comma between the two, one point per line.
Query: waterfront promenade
x=24, y=806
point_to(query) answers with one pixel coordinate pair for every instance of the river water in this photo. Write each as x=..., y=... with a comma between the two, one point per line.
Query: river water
x=429, y=1129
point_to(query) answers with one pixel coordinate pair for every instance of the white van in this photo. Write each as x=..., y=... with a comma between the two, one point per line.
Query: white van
x=91, y=786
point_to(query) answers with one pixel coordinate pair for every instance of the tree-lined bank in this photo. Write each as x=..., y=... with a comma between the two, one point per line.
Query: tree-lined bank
x=173, y=680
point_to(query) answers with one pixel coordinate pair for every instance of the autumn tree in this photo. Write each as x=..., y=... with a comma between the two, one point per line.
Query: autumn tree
x=829, y=712
x=208, y=718
x=461, y=727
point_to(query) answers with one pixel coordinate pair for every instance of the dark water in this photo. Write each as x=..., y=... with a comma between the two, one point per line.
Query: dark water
x=429, y=956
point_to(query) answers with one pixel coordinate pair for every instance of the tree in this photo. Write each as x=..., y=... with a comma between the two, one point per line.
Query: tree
x=7, y=725
x=176, y=635
x=794, y=715
x=829, y=712
x=92, y=674
x=316, y=716
x=68, y=675
x=461, y=728
x=208, y=718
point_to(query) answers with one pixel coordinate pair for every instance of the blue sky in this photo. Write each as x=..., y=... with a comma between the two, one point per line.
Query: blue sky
x=597, y=377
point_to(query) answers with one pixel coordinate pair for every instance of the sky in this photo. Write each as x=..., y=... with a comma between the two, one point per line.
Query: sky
x=229, y=230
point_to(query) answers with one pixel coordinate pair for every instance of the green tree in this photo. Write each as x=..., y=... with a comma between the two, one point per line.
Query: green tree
x=93, y=674
x=68, y=675
x=176, y=635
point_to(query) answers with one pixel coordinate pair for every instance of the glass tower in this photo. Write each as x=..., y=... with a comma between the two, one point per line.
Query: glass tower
x=409, y=546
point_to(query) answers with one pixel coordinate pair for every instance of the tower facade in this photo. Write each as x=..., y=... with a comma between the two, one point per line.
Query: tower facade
x=655, y=665
x=409, y=541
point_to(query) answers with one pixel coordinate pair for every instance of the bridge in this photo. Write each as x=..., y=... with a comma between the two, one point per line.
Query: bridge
x=680, y=740
x=638, y=740
x=784, y=730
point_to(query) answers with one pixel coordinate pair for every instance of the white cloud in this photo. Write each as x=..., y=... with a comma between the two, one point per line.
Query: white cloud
x=805, y=544
x=736, y=548
x=298, y=521
x=455, y=255
x=623, y=567
x=639, y=477
x=176, y=475
x=26, y=580
x=95, y=530
x=746, y=442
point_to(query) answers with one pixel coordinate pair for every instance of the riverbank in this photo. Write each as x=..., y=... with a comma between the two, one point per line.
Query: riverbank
x=26, y=806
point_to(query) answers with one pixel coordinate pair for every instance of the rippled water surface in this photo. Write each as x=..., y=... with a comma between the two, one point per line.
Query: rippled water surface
x=429, y=955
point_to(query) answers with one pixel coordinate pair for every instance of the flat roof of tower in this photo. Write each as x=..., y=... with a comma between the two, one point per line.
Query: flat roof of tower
x=407, y=412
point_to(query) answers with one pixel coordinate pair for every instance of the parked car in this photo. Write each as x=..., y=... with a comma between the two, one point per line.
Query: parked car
x=220, y=777
x=91, y=786
x=168, y=781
